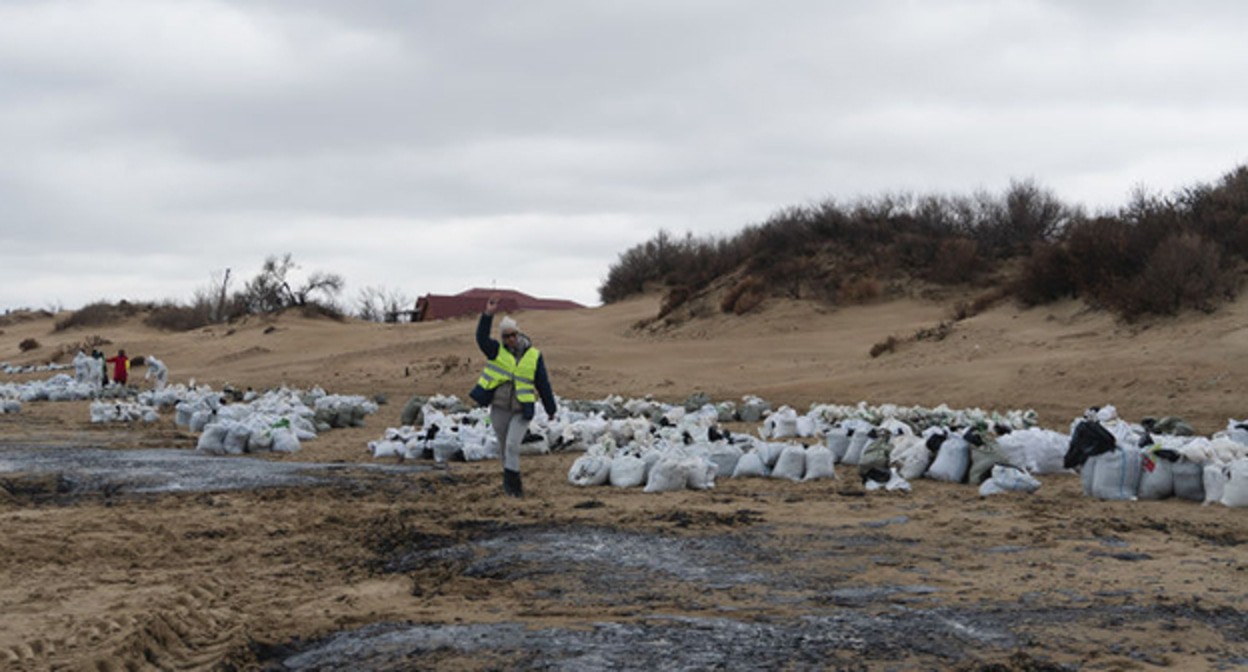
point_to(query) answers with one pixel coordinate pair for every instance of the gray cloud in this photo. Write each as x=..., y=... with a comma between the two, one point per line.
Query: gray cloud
x=435, y=146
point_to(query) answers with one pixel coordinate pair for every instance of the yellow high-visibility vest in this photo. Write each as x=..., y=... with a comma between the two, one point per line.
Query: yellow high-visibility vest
x=522, y=374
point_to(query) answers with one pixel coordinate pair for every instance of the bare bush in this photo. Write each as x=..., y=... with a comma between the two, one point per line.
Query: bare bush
x=859, y=291
x=956, y=261
x=887, y=345
x=1046, y=276
x=28, y=344
x=1185, y=271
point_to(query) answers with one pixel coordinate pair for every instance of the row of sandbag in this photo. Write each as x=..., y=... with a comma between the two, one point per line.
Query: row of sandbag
x=61, y=387
x=822, y=418
x=13, y=369
x=446, y=430
x=1118, y=460
x=276, y=420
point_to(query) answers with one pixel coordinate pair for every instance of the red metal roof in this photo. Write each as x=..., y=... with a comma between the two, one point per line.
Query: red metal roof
x=472, y=302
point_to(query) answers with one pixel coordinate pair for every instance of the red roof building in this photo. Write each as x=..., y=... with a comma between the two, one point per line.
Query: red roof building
x=472, y=302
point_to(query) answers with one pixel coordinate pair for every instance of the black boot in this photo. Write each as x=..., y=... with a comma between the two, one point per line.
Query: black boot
x=511, y=483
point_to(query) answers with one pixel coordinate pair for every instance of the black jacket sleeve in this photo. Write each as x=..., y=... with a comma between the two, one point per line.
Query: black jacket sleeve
x=488, y=345
x=543, y=388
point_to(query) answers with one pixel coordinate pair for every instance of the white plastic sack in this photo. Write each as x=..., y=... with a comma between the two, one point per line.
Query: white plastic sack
x=791, y=464
x=1008, y=479
x=952, y=461
x=1156, y=477
x=627, y=471
x=1215, y=478
x=838, y=443
x=750, y=464
x=380, y=449
x=725, y=457
x=910, y=455
x=590, y=470
x=285, y=440
x=819, y=463
x=212, y=440
x=1114, y=475
x=1189, y=480
x=667, y=475
x=1039, y=451
x=1235, y=493
x=701, y=473
x=857, y=442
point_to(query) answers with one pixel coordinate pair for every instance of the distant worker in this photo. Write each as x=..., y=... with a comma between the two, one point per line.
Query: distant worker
x=121, y=367
x=514, y=377
x=157, y=369
x=101, y=367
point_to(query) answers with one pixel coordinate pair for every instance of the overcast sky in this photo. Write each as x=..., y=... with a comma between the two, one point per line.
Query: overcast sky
x=435, y=146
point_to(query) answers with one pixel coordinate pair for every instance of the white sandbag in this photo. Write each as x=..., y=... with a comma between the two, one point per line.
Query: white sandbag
x=1156, y=477
x=1115, y=475
x=857, y=443
x=590, y=470
x=804, y=427
x=627, y=471
x=770, y=452
x=895, y=483
x=445, y=446
x=725, y=457
x=1235, y=493
x=1215, y=478
x=701, y=473
x=651, y=458
x=200, y=420
x=750, y=464
x=387, y=448
x=1039, y=451
x=236, y=439
x=212, y=440
x=668, y=475
x=285, y=440
x=533, y=444
x=1237, y=431
x=1005, y=478
x=910, y=455
x=838, y=442
x=952, y=460
x=261, y=438
x=1189, y=480
x=791, y=463
x=819, y=463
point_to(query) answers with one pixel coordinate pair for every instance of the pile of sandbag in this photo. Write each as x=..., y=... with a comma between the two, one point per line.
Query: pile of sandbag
x=14, y=369
x=122, y=411
x=1118, y=460
x=276, y=420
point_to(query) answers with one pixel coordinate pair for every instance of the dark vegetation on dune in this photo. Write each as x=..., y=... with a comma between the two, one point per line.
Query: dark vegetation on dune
x=1157, y=255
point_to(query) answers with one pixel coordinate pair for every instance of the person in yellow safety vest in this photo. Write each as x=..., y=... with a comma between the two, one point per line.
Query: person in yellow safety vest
x=513, y=380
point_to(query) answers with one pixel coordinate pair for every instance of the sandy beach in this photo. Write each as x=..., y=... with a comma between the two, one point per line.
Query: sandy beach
x=818, y=575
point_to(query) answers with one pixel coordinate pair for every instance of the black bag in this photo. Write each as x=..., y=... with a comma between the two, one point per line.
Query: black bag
x=1089, y=439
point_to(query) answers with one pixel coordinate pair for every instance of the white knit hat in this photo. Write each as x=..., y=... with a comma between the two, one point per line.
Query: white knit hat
x=507, y=324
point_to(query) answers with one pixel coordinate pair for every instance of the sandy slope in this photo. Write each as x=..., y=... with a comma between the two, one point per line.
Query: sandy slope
x=200, y=581
x=1058, y=359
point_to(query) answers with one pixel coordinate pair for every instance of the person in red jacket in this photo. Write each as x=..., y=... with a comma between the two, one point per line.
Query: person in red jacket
x=121, y=367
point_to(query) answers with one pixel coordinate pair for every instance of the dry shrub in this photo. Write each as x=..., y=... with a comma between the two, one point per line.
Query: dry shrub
x=1046, y=276
x=964, y=309
x=957, y=260
x=68, y=350
x=28, y=344
x=887, y=345
x=172, y=317
x=673, y=299
x=1185, y=271
x=100, y=314
x=749, y=301
x=937, y=333
x=860, y=290
x=729, y=300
